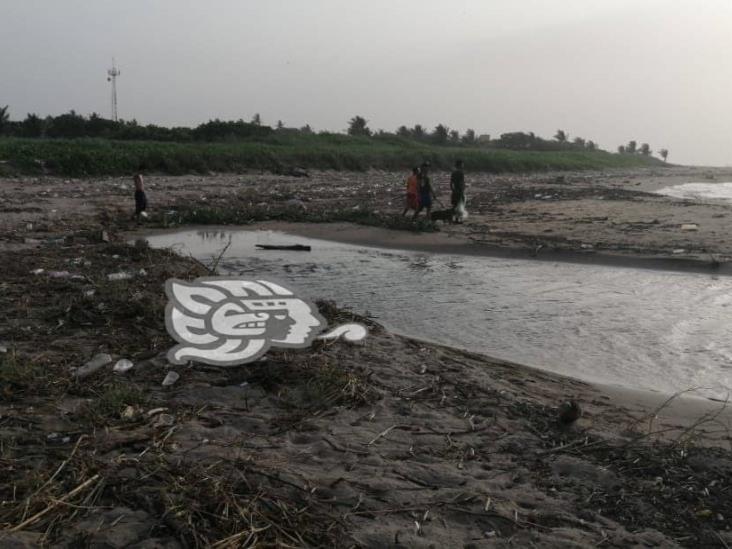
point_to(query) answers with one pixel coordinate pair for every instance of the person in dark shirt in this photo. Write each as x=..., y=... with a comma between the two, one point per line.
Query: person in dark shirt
x=140, y=198
x=457, y=191
x=426, y=192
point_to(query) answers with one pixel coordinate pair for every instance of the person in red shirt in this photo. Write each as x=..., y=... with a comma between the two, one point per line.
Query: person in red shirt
x=412, y=192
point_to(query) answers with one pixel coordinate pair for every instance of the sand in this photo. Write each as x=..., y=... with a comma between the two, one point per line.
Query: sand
x=390, y=443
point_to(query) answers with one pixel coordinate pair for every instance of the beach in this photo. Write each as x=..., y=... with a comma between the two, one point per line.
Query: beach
x=392, y=442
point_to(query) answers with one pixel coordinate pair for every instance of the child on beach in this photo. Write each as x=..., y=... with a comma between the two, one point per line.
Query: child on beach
x=412, y=192
x=140, y=198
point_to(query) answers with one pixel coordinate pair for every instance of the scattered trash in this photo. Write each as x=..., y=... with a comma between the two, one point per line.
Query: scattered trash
x=171, y=378
x=155, y=411
x=129, y=412
x=3, y=349
x=119, y=276
x=89, y=293
x=142, y=272
x=59, y=274
x=37, y=271
x=689, y=227
x=58, y=438
x=122, y=366
x=163, y=420
x=586, y=246
x=97, y=362
x=679, y=251
x=31, y=241
x=104, y=236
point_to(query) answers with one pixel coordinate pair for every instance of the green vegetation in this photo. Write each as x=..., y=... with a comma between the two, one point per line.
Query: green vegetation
x=277, y=152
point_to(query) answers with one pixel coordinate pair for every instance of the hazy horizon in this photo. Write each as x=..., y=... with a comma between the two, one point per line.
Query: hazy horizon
x=606, y=70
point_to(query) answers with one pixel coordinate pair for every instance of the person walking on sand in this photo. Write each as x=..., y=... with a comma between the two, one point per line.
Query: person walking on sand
x=426, y=192
x=412, y=192
x=140, y=197
x=457, y=192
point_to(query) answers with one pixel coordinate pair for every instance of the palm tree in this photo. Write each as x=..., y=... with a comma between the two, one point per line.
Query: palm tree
x=4, y=117
x=561, y=136
x=664, y=154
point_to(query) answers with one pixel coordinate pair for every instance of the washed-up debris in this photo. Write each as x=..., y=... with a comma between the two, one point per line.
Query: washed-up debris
x=89, y=293
x=293, y=247
x=679, y=251
x=122, y=366
x=586, y=246
x=38, y=271
x=163, y=420
x=129, y=413
x=58, y=438
x=171, y=378
x=34, y=241
x=568, y=412
x=3, y=349
x=59, y=274
x=155, y=411
x=119, y=276
x=96, y=363
x=689, y=227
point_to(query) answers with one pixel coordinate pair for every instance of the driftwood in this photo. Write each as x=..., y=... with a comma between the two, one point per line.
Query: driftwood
x=293, y=247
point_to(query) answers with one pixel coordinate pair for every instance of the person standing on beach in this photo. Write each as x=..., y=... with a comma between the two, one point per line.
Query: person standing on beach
x=457, y=192
x=412, y=192
x=140, y=197
x=426, y=192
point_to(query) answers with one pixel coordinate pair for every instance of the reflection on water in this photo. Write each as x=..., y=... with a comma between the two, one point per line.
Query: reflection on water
x=646, y=329
x=700, y=191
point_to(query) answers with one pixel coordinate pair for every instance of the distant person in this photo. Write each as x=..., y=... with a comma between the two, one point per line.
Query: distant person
x=457, y=192
x=426, y=192
x=412, y=192
x=140, y=197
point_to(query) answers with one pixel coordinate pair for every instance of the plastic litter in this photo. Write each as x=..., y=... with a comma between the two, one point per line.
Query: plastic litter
x=119, y=276
x=96, y=363
x=122, y=366
x=171, y=378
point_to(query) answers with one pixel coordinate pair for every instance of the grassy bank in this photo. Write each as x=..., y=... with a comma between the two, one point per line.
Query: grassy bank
x=94, y=157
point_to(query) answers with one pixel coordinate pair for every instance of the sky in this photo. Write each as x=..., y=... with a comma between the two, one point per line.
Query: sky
x=655, y=71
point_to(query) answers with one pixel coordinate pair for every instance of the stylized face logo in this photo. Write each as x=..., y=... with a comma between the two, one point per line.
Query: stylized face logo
x=229, y=321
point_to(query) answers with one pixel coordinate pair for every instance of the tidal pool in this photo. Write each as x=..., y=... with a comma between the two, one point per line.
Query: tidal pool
x=646, y=329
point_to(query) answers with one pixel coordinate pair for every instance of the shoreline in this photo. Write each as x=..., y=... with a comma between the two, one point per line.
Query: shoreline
x=433, y=243
x=445, y=243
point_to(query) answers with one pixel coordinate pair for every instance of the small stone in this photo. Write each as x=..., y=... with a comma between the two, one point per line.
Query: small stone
x=122, y=366
x=171, y=378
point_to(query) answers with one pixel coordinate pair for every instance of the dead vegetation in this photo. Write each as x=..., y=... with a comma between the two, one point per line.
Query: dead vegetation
x=392, y=443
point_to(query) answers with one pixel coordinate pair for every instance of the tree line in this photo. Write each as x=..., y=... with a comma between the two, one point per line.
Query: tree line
x=72, y=125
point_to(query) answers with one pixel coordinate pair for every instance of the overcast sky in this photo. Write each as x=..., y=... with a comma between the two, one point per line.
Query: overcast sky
x=657, y=71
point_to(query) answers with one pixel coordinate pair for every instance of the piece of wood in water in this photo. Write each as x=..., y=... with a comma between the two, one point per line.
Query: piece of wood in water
x=293, y=247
